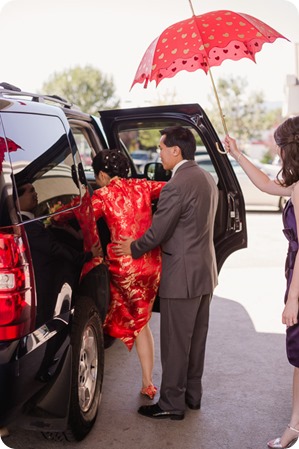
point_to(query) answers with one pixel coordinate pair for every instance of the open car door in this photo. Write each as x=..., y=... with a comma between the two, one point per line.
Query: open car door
x=136, y=131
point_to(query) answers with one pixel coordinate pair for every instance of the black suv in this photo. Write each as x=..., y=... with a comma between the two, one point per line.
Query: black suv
x=52, y=308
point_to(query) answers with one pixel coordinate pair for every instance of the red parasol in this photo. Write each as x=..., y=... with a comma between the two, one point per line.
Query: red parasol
x=202, y=42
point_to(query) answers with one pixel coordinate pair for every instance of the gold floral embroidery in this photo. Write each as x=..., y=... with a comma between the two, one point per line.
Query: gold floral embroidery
x=125, y=205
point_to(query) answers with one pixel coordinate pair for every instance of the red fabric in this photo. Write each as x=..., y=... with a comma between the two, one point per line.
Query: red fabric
x=88, y=226
x=11, y=146
x=126, y=207
x=201, y=42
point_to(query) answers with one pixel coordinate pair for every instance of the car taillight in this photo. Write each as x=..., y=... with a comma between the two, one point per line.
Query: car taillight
x=17, y=304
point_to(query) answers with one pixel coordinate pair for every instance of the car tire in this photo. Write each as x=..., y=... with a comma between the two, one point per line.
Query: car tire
x=87, y=369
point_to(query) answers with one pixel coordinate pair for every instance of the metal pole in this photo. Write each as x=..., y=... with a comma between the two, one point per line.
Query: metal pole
x=191, y=6
x=218, y=102
x=220, y=111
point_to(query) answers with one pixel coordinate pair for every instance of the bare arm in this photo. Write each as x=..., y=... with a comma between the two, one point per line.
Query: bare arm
x=257, y=177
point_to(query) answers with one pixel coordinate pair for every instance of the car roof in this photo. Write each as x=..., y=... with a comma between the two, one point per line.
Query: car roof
x=12, y=99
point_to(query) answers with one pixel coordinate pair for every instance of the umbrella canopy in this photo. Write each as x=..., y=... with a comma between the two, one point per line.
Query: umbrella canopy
x=202, y=42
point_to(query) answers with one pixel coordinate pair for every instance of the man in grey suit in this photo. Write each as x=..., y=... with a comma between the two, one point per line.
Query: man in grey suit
x=183, y=225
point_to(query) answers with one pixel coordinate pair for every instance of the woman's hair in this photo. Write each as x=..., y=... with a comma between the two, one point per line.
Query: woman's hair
x=112, y=162
x=287, y=138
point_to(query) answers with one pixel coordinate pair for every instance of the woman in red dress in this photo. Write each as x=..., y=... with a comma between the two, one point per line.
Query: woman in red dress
x=126, y=205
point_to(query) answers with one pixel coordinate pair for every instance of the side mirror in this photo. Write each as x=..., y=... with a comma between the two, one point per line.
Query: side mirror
x=154, y=171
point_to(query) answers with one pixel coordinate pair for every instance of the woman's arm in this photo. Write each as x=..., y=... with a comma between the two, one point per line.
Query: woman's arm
x=290, y=312
x=257, y=177
x=155, y=188
x=97, y=205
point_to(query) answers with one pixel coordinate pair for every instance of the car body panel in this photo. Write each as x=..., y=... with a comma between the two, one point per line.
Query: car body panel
x=37, y=146
x=36, y=368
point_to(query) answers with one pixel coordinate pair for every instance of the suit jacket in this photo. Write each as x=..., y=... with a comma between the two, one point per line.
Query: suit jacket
x=184, y=226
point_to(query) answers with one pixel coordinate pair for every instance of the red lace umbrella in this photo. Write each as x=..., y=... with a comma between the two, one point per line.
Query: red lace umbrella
x=202, y=42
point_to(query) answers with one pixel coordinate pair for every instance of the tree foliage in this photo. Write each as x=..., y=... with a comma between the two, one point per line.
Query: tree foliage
x=85, y=87
x=245, y=112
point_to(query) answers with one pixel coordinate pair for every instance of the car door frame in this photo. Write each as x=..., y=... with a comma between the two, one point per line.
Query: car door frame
x=233, y=235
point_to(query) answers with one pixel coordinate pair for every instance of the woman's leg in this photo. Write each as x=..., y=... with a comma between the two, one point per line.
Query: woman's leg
x=145, y=350
x=289, y=434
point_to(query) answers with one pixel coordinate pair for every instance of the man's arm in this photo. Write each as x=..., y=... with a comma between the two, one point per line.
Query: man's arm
x=164, y=222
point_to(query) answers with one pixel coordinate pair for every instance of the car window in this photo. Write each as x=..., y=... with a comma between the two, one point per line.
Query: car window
x=85, y=150
x=142, y=144
x=87, y=142
x=42, y=158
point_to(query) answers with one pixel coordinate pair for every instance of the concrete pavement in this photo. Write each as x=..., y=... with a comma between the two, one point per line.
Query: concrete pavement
x=247, y=379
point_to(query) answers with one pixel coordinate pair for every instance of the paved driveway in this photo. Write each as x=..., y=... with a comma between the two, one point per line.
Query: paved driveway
x=247, y=380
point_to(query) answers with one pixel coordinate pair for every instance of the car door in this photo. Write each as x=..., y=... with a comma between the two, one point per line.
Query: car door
x=138, y=128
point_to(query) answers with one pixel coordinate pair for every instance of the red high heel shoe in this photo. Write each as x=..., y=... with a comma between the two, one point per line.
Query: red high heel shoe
x=149, y=391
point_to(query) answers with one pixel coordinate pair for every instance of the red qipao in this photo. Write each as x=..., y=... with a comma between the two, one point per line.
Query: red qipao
x=126, y=206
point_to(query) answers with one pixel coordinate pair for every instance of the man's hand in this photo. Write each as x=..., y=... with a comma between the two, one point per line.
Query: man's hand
x=96, y=250
x=123, y=247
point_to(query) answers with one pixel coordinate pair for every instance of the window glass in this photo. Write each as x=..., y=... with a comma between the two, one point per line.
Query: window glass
x=85, y=149
x=6, y=203
x=42, y=156
x=142, y=143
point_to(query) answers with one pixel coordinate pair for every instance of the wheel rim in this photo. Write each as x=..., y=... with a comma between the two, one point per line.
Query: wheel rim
x=88, y=369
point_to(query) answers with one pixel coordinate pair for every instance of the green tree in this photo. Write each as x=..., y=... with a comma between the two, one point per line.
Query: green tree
x=85, y=87
x=244, y=111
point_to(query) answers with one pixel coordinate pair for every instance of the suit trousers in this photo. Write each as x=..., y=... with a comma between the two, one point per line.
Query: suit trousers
x=183, y=333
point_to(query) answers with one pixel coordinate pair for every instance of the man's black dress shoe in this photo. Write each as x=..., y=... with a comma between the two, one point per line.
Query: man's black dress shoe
x=193, y=406
x=155, y=411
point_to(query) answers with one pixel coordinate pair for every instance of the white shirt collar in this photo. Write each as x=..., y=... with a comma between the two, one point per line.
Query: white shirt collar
x=30, y=215
x=177, y=166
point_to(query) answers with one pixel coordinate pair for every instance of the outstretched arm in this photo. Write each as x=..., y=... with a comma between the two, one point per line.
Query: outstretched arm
x=257, y=177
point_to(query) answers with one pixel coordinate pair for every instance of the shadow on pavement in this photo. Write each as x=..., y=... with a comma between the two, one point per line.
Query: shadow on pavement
x=246, y=400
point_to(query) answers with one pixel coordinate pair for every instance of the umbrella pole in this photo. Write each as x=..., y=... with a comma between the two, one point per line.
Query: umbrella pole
x=191, y=6
x=220, y=110
x=218, y=102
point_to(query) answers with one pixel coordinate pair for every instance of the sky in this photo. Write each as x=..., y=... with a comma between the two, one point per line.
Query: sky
x=47, y=36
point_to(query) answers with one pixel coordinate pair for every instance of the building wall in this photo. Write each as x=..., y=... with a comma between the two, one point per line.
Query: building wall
x=291, y=104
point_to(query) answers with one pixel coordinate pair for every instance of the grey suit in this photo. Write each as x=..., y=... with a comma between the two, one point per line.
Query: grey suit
x=183, y=225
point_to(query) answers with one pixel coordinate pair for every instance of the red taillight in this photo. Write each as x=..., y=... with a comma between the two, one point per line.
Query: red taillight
x=17, y=308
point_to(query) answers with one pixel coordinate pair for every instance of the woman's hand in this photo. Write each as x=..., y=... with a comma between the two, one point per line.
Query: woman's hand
x=96, y=250
x=232, y=148
x=290, y=312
